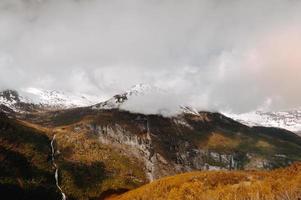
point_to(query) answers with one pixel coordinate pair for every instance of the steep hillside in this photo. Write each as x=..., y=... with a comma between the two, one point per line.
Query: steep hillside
x=187, y=142
x=25, y=169
x=241, y=185
x=87, y=168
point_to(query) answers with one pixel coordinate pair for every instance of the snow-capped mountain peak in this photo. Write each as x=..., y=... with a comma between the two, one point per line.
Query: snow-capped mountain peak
x=117, y=100
x=54, y=98
x=33, y=98
x=144, y=95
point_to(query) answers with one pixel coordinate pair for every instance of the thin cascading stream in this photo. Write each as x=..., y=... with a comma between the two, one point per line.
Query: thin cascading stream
x=56, y=174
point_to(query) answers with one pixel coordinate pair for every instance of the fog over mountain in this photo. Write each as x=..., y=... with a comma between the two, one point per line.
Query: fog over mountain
x=214, y=55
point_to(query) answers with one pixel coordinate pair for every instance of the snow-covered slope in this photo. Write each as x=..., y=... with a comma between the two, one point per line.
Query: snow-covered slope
x=290, y=120
x=33, y=98
x=12, y=100
x=60, y=99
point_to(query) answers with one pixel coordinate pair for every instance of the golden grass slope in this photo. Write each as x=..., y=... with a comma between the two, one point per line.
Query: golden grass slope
x=281, y=184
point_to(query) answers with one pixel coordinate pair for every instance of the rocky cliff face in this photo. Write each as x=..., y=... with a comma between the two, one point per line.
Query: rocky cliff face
x=207, y=141
x=139, y=146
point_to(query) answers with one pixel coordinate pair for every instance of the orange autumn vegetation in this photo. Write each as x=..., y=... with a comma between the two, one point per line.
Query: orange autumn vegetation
x=281, y=184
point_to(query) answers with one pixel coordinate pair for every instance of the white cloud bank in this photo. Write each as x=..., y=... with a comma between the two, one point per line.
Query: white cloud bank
x=210, y=54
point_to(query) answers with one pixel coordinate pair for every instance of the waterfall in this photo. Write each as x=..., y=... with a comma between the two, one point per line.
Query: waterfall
x=56, y=174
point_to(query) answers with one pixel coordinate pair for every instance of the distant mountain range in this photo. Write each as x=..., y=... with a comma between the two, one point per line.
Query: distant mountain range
x=34, y=98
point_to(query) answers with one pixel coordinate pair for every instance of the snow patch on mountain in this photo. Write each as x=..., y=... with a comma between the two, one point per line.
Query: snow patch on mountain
x=147, y=99
x=49, y=99
x=189, y=110
x=12, y=100
x=290, y=120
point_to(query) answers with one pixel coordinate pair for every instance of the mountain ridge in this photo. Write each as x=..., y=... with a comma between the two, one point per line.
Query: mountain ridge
x=38, y=99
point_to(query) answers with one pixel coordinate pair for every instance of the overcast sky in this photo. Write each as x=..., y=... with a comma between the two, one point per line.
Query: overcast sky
x=211, y=54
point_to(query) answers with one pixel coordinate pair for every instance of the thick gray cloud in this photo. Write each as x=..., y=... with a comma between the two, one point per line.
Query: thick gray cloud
x=211, y=54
